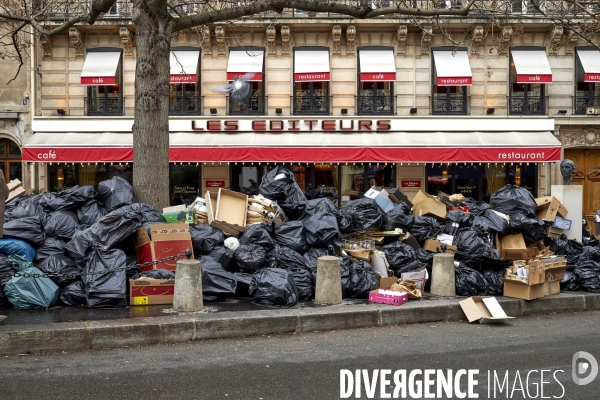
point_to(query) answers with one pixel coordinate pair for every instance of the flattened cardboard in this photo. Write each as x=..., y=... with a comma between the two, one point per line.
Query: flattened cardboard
x=484, y=309
x=521, y=290
x=549, y=207
x=230, y=210
x=15, y=189
x=386, y=283
x=148, y=291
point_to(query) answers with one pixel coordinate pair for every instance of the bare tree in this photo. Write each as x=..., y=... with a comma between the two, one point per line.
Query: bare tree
x=157, y=20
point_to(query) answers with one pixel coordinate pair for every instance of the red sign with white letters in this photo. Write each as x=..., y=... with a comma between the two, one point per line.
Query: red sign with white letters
x=184, y=78
x=411, y=184
x=98, y=80
x=594, y=77
x=253, y=76
x=215, y=184
x=312, y=77
x=534, y=78
x=377, y=76
x=455, y=81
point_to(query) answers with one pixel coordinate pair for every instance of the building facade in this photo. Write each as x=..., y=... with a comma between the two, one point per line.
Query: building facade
x=345, y=103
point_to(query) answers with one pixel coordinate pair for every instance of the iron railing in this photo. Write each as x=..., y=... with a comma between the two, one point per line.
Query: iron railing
x=256, y=105
x=102, y=105
x=311, y=104
x=450, y=105
x=375, y=104
x=527, y=105
x=185, y=105
x=581, y=103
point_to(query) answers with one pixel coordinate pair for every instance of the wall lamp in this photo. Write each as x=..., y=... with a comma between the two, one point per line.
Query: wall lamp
x=278, y=111
x=213, y=111
x=344, y=111
x=60, y=111
x=562, y=112
x=490, y=111
x=413, y=110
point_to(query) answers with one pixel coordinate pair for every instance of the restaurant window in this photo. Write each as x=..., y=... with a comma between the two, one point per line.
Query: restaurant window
x=247, y=62
x=184, y=183
x=103, y=74
x=246, y=178
x=184, y=88
x=529, y=73
x=587, y=77
x=10, y=160
x=450, y=81
x=64, y=176
x=311, y=80
x=377, y=74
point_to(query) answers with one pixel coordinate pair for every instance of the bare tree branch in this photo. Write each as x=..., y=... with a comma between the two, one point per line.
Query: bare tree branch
x=16, y=46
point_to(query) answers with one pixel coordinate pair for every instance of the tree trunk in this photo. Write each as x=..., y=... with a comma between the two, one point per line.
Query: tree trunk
x=151, y=118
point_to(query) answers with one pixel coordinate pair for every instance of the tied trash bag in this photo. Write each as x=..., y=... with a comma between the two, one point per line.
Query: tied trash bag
x=67, y=200
x=26, y=207
x=91, y=212
x=461, y=218
x=50, y=247
x=216, y=282
x=422, y=258
x=476, y=207
x=398, y=254
x=533, y=229
x=311, y=258
x=569, y=283
x=468, y=281
x=28, y=293
x=398, y=217
x=274, y=286
x=322, y=230
x=155, y=274
x=293, y=235
x=319, y=205
x=73, y=294
x=425, y=227
x=588, y=276
x=258, y=234
x=105, y=289
x=250, y=257
x=223, y=256
x=27, y=228
x=17, y=247
x=286, y=258
x=492, y=222
x=358, y=278
x=62, y=265
x=77, y=247
x=205, y=238
x=115, y=193
x=364, y=215
x=512, y=199
x=470, y=246
x=305, y=283
x=495, y=285
x=279, y=185
x=344, y=218
x=61, y=225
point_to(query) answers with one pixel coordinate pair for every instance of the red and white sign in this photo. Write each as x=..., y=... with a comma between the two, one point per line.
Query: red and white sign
x=411, y=184
x=377, y=76
x=97, y=80
x=186, y=78
x=534, y=78
x=215, y=184
x=312, y=77
x=254, y=76
x=595, y=77
x=77, y=154
x=456, y=81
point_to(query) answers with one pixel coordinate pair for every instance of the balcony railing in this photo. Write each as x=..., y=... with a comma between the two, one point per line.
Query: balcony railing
x=527, y=105
x=375, y=105
x=256, y=105
x=184, y=105
x=581, y=103
x=311, y=105
x=450, y=105
x=104, y=105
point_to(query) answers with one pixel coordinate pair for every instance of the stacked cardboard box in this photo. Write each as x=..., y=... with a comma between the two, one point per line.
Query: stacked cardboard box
x=164, y=240
x=261, y=209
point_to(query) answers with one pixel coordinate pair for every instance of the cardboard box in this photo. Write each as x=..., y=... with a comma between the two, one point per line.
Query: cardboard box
x=552, y=288
x=381, y=198
x=555, y=268
x=534, y=270
x=512, y=247
x=149, y=291
x=179, y=215
x=435, y=246
x=549, y=207
x=521, y=290
x=420, y=277
x=420, y=196
x=562, y=223
x=386, y=283
x=431, y=207
x=165, y=240
x=409, y=240
x=484, y=309
x=554, y=232
x=228, y=213
x=15, y=189
x=396, y=195
x=384, y=296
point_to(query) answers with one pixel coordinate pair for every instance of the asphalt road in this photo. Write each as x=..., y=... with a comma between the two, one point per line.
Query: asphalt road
x=307, y=366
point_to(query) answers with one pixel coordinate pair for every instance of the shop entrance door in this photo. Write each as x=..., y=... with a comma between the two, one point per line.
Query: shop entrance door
x=10, y=160
x=587, y=173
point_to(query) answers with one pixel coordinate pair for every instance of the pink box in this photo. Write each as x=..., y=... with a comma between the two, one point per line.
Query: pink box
x=388, y=297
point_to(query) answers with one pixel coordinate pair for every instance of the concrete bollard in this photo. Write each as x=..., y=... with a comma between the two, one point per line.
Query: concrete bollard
x=188, y=286
x=442, y=275
x=329, y=281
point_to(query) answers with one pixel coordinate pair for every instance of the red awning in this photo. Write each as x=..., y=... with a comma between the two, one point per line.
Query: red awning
x=532, y=66
x=100, y=68
x=377, y=65
x=184, y=66
x=590, y=61
x=452, y=68
x=311, y=66
x=245, y=62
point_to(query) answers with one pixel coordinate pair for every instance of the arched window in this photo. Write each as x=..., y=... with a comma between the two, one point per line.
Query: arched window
x=10, y=160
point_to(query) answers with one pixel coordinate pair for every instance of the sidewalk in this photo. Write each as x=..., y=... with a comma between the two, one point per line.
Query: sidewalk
x=73, y=329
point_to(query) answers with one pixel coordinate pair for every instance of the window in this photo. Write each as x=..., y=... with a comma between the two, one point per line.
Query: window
x=377, y=74
x=587, y=77
x=247, y=62
x=529, y=73
x=184, y=93
x=10, y=160
x=311, y=98
x=103, y=74
x=450, y=80
x=311, y=80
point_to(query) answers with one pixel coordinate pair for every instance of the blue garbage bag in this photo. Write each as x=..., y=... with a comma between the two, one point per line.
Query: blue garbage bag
x=29, y=293
x=16, y=247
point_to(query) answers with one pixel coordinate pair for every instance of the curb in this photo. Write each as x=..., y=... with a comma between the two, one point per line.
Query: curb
x=95, y=335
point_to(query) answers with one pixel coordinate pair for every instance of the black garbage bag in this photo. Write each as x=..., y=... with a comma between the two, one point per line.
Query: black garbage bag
x=60, y=264
x=50, y=247
x=319, y=205
x=311, y=258
x=67, y=200
x=588, y=276
x=475, y=207
x=589, y=253
x=495, y=285
x=422, y=258
x=425, y=227
x=115, y=193
x=344, y=218
x=470, y=247
x=28, y=228
x=250, y=257
x=223, y=256
x=6, y=271
x=358, y=278
x=105, y=289
x=205, y=238
x=398, y=217
x=215, y=280
x=155, y=274
x=305, y=283
x=492, y=222
x=533, y=229
x=258, y=234
x=563, y=246
x=569, y=283
x=398, y=255
x=26, y=207
x=285, y=258
x=243, y=284
x=463, y=219
x=90, y=212
x=17, y=247
x=274, y=286
x=469, y=282
x=78, y=245
x=512, y=199
x=279, y=185
x=365, y=215
x=73, y=294
x=61, y=225
x=292, y=234
x=322, y=230
x=491, y=260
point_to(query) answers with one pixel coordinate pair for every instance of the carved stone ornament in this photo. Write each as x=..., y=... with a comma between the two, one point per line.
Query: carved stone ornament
x=77, y=40
x=402, y=33
x=206, y=42
x=285, y=41
x=127, y=40
x=220, y=35
x=271, y=35
x=336, y=34
x=426, y=36
x=46, y=42
x=504, y=40
x=554, y=36
x=477, y=38
x=572, y=38
x=350, y=37
x=589, y=136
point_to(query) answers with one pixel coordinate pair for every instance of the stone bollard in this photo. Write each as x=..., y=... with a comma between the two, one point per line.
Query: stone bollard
x=188, y=286
x=442, y=275
x=329, y=281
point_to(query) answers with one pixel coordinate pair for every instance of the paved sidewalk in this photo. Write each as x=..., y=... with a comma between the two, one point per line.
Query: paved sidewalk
x=74, y=329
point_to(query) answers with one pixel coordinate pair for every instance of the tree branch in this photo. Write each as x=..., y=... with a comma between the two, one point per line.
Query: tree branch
x=16, y=45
